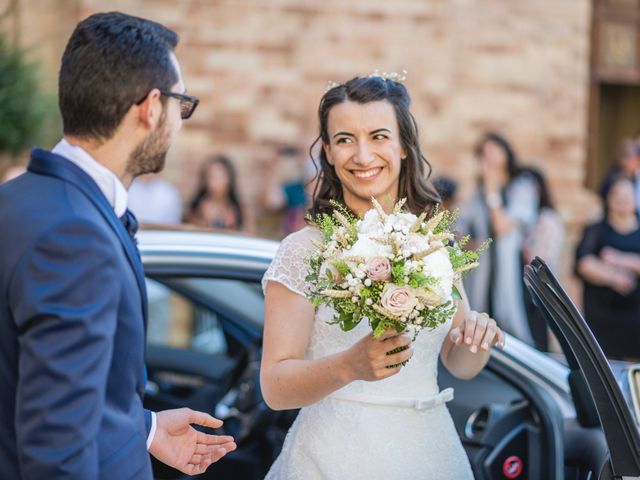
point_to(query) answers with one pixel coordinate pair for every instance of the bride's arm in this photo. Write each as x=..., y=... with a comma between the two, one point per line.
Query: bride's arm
x=465, y=350
x=288, y=380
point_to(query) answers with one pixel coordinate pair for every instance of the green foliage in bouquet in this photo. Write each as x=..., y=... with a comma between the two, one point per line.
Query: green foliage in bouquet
x=410, y=250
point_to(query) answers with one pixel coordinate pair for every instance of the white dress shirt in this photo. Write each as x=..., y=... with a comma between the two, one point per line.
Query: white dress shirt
x=109, y=184
x=112, y=188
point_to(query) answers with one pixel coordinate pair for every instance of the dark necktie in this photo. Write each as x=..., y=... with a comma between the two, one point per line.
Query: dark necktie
x=130, y=224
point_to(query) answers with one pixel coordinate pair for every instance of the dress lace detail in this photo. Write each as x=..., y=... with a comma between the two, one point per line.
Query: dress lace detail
x=397, y=428
x=288, y=266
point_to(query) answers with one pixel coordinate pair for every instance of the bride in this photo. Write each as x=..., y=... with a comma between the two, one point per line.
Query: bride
x=362, y=416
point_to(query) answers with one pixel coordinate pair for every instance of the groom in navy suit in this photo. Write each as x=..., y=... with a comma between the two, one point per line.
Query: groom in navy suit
x=73, y=307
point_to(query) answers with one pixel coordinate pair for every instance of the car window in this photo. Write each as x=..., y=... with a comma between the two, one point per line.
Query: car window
x=241, y=299
x=178, y=320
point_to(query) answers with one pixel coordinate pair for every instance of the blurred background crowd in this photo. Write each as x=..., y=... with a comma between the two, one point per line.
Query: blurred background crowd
x=529, y=113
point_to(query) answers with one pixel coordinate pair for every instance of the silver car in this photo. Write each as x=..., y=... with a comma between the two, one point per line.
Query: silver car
x=526, y=416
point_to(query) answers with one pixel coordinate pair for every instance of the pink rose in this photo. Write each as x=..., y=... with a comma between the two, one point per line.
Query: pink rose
x=398, y=300
x=378, y=269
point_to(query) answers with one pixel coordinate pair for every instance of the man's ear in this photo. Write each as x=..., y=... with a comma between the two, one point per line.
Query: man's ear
x=327, y=152
x=150, y=110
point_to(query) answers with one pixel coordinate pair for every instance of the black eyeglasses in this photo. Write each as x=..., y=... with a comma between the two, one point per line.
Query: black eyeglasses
x=188, y=103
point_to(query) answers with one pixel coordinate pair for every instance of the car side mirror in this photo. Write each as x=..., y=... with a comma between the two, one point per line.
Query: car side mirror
x=634, y=386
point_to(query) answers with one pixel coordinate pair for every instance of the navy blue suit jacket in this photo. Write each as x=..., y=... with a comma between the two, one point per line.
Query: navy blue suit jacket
x=72, y=331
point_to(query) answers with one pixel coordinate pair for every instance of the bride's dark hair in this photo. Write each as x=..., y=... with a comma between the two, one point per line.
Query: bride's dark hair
x=414, y=184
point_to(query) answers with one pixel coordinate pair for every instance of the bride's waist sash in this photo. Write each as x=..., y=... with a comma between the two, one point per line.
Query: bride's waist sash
x=424, y=403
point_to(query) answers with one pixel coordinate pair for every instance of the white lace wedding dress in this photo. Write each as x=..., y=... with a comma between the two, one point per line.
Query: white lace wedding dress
x=394, y=429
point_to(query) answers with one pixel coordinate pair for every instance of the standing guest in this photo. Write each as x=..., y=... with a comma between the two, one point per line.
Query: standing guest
x=627, y=164
x=216, y=203
x=503, y=208
x=289, y=195
x=545, y=239
x=447, y=188
x=154, y=200
x=608, y=262
x=73, y=307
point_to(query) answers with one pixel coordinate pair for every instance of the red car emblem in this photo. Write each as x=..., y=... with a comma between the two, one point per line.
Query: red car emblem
x=512, y=467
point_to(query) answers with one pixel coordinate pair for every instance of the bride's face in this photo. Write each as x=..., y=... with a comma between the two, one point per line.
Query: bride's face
x=366, y=152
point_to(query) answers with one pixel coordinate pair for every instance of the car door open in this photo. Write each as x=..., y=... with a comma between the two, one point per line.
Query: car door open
x=597, y=396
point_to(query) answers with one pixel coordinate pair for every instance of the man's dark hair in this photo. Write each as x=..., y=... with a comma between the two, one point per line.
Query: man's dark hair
x=111, y=61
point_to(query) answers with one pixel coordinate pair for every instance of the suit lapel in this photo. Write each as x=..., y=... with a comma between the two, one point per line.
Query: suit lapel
x=46, y=163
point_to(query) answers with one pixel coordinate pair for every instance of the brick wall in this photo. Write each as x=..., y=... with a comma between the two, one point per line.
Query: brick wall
x=260, y=67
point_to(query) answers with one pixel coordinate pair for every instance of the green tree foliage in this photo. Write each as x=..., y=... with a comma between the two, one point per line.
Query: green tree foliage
x=22, y=107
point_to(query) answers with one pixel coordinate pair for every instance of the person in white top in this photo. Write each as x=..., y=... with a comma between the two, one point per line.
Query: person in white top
x=155, y=200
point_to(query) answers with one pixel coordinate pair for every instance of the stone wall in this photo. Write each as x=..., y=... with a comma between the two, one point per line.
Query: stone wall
x=261, y=66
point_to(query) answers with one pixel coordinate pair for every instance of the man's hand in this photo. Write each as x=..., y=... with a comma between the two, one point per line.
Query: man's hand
x=181, y=446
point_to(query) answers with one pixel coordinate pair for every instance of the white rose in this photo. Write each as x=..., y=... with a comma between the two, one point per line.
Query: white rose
x=438, y=266
x=414, y=243
x=367, y=248
x=401, y=221
x=370, y=224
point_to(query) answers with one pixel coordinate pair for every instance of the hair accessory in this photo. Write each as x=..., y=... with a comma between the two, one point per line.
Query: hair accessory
x=331, y=85
x=393, y=76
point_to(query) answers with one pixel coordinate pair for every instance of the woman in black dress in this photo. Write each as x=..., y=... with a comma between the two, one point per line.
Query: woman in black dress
x=608, y=261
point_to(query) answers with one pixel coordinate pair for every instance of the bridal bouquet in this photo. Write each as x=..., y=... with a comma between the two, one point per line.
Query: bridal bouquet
x=395, y=270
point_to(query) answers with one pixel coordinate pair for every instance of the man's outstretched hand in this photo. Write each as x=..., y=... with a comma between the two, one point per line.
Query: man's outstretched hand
x=182, y=447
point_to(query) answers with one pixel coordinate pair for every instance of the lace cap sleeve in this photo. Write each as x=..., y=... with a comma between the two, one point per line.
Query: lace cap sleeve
x=289, y=266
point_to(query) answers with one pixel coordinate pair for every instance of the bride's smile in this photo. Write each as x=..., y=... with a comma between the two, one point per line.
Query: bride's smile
x=367, y=174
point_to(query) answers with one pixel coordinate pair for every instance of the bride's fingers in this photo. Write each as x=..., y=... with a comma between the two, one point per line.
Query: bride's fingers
x=456, y=335
x=397, y=342
x=390, y=333
x=483, y=321
x=398, y=358
x=491, y=336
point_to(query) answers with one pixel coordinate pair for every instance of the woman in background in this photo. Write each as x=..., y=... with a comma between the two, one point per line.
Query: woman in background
x=503, y=208
x=216, y=203
x=544, y=240
x=608, y=262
